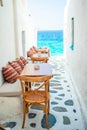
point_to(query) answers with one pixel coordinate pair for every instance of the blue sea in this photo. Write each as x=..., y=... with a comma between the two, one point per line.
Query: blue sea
x=52, y=40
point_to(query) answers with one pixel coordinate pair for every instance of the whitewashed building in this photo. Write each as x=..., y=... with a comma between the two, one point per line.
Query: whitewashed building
x=16, y=30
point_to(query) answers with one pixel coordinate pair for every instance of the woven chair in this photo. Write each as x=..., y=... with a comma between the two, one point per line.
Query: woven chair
x=45, y=51
x=40, y=59
x=35, y=95
x=41, y=50
x=2, y=128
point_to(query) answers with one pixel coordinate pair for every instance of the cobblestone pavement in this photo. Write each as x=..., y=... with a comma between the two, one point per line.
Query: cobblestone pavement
x=65, y=113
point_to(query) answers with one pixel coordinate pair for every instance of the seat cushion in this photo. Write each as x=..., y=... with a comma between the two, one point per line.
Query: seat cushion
x=8, y=89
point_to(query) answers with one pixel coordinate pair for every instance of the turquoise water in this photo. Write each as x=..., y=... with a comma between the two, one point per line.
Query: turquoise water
x=52, y=40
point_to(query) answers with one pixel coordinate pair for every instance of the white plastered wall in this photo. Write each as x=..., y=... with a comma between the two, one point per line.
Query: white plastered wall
x=23, y=23
x=7, y=44
x=77, y=58
x=14, y=18
x=21, y=20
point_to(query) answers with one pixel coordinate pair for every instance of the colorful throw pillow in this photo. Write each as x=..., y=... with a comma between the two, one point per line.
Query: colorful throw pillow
x=23, y=60
x=9, y=74
x=19, y=61
x=16, y=66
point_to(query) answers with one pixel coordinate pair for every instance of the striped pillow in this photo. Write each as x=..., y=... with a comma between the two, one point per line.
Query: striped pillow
x=29, y=53
x=19, y=61
x=9, y=74
x=23, y=60
x=16, y=66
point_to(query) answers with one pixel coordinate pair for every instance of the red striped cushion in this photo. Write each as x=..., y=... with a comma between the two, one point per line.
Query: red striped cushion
x=16, y=66
x=23, y=60
x=29, y=53
x=19, y=61
x=9, y=73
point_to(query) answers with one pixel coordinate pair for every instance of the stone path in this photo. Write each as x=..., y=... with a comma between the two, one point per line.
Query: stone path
x=65, y=113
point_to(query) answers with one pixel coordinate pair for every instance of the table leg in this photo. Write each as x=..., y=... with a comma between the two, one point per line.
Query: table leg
x=48, y=100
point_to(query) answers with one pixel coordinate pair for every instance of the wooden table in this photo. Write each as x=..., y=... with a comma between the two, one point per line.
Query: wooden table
x=43, y=57
x=44, y=69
